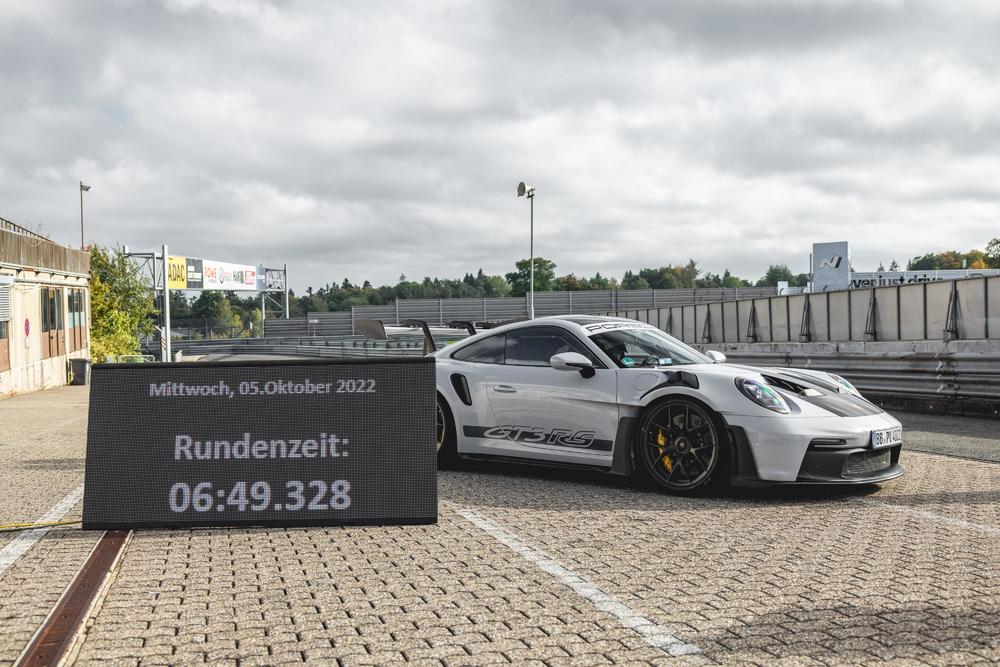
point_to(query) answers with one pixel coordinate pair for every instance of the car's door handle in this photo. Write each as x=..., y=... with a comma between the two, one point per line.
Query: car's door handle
x=504, y=389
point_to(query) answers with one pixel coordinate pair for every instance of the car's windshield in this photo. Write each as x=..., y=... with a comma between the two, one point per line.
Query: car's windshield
x=632, y=348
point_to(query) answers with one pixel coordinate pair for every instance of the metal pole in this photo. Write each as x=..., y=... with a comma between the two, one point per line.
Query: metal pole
x=165, y=348
x=531, y=287
x=81, y=216
x=287, y=311
x=263, y=311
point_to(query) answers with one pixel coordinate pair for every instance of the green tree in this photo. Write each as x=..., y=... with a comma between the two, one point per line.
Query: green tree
x=993, y=253
x=121, y=304
x=928, y=262
x=545, y=276
x=633, y=281
x=217, y=308
x=777, y=273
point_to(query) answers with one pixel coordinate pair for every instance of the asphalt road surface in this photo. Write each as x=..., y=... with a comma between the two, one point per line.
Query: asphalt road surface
x=530, y=565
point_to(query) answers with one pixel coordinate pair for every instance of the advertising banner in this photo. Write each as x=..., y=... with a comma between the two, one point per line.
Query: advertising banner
x=176, y=272
x=194, y=269
x=831, y=266
x=225, y=276
x=272, y=443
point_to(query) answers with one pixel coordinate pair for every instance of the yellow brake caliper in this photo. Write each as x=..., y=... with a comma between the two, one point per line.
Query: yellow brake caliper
x=661, y=442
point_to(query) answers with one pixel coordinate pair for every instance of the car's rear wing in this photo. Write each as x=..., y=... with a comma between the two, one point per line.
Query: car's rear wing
x=379, y=330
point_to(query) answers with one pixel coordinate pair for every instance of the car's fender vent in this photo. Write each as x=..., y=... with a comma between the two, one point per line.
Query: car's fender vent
x=461, y=386
x=865, y=463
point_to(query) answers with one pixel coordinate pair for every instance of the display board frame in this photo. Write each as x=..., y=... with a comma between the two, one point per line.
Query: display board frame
x=369, y=422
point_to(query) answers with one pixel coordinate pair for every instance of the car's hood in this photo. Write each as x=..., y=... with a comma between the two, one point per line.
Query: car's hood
x=804, y=390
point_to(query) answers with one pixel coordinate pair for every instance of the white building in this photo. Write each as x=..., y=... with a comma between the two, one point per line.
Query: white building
x=44, y=310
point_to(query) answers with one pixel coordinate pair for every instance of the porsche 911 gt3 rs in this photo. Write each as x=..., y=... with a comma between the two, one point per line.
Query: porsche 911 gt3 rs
x=625, y=397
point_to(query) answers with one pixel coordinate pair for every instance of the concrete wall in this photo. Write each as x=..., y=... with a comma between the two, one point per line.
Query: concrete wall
x=966, y=309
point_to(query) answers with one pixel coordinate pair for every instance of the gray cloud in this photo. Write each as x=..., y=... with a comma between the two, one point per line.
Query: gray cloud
x=371, y=139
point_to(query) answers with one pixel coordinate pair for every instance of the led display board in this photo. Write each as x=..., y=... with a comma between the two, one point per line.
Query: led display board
x=272, y=443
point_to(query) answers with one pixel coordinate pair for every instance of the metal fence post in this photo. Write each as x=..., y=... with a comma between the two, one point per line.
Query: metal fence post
x=871, y=320
x=441, y=312
x=951, y=320
x=570, y=303
x=397, y=311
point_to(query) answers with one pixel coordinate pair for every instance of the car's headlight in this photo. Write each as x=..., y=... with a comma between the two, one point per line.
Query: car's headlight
x=844, y=386
x=762, y=395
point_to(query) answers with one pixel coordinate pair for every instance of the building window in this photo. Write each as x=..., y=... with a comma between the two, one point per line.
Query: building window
x=4, y=345
x=53, y=339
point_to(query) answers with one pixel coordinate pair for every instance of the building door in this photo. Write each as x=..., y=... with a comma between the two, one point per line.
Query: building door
x=53, y=340
x=4, y=345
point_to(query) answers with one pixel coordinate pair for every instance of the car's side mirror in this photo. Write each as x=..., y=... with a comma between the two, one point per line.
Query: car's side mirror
x=716, y=356
x=572, y=361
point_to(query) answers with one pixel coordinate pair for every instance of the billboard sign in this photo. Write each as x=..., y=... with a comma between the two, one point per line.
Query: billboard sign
x=226, y=276
x=194, y=270
x=264, y=443
x=831, y=266
x=176, y=272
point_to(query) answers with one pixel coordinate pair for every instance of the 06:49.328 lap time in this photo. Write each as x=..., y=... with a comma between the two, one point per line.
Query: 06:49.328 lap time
x=313, y=495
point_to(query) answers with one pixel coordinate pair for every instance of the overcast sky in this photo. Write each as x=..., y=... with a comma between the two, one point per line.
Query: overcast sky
x=370, y=139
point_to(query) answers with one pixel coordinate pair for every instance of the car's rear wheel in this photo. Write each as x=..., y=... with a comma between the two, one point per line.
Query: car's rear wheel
x=682, y=445
x=446, y=436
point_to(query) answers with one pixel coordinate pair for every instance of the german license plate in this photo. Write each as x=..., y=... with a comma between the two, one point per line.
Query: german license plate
x=887, y=437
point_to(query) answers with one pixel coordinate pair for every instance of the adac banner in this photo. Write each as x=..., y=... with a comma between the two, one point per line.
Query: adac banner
x=225, y=276
x=177, y=272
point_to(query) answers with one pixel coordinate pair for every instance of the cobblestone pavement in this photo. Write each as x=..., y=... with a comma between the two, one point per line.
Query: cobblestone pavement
x=958, y=436
x=527, y=565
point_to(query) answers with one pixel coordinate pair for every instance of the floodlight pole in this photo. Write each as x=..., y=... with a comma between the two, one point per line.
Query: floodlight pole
x=522, y=190
x=531, y=257
x=83, y=188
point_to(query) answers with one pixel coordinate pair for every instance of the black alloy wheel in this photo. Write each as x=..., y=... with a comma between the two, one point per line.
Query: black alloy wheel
x=680, y=444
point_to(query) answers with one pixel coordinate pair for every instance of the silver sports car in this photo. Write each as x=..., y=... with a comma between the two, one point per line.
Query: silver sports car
x=625, y=397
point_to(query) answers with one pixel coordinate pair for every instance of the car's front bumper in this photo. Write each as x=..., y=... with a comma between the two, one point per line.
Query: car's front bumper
x=833, y=450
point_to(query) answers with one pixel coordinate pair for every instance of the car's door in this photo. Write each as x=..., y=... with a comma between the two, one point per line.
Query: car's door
x=548, y=414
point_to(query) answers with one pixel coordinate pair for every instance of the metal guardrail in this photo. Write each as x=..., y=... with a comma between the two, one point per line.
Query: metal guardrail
x=951, y=376
x=9, y=226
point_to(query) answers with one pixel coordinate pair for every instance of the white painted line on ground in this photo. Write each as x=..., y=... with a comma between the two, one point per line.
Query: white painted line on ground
x=940, y=518
x=654, y=634
x=25, y=540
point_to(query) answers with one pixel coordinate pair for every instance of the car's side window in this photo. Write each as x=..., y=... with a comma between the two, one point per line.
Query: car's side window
x=534, y=346
x=486, y=351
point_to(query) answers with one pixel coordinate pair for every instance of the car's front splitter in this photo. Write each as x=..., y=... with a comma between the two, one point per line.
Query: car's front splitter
x=811, y=451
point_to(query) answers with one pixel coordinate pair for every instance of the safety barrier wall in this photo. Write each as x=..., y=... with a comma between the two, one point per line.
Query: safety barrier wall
x=946, y=310
x=441, y=311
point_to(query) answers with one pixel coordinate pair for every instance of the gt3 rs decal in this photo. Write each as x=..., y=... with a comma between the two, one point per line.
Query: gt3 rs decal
x=535, y=435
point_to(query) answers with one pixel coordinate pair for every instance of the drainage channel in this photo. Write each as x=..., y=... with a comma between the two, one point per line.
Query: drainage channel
x=55, y=639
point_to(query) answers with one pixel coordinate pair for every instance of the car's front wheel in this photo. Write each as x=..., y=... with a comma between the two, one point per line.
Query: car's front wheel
x=682, y=445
